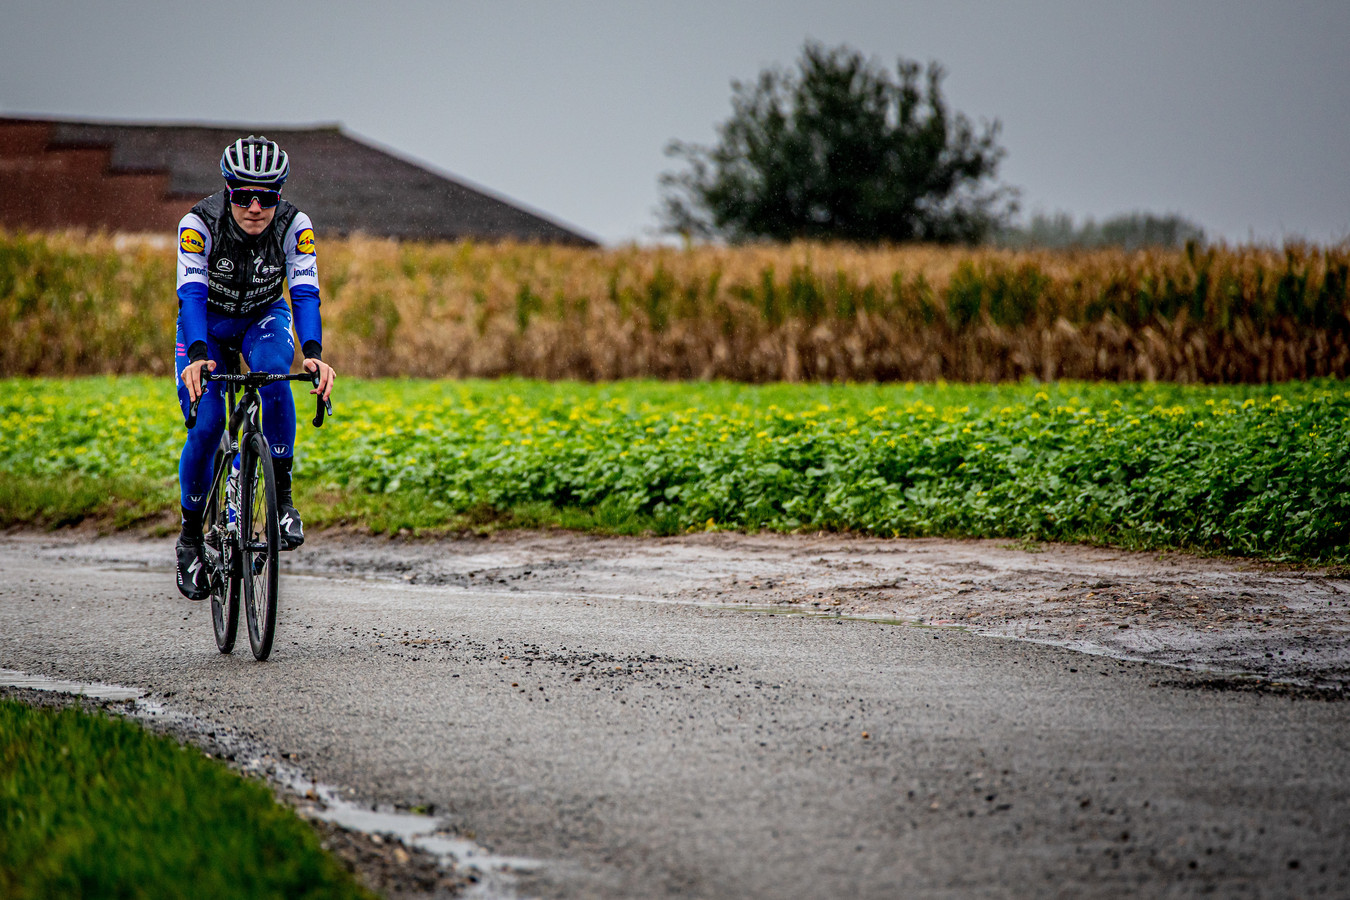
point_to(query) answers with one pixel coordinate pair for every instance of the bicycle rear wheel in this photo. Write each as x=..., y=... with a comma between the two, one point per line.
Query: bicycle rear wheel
x=260, y=541
x=222, y=547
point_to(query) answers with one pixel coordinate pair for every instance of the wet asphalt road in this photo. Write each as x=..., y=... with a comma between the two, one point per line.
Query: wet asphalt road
x=643, y=749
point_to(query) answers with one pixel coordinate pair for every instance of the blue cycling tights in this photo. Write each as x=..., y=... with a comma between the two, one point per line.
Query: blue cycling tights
x=267, y=345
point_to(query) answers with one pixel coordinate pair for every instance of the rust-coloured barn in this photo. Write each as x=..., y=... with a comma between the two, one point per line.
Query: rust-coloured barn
x=144, y=177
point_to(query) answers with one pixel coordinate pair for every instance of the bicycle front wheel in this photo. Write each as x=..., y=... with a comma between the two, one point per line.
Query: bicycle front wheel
x=222, y=546
x=260, y=541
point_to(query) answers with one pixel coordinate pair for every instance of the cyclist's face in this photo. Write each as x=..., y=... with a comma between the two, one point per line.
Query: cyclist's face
x=253, y=219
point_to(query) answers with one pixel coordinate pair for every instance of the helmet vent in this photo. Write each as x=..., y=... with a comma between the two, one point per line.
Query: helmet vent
x=255, y=160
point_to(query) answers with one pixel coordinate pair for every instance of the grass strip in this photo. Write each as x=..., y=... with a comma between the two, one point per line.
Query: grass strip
x=93, y=806
x=56, y=501
x=1258, y=471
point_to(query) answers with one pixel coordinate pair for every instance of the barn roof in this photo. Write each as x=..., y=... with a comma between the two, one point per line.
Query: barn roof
x=345, y=183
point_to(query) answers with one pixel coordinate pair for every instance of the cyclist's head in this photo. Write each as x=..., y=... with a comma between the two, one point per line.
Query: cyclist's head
x=255, y=161
x=254, y=169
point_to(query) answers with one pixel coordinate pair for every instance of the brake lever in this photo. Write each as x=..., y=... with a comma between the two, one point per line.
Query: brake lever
x=192, y=410
x=321, y=405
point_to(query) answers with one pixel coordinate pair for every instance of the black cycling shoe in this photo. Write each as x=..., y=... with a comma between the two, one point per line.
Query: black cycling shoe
x=194, y=582
x=292, y=529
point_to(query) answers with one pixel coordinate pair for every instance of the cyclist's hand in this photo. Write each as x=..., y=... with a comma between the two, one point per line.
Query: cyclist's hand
x=192, y=376
x=326, y=376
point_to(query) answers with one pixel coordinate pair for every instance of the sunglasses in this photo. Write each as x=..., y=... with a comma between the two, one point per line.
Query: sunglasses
x=245, y=196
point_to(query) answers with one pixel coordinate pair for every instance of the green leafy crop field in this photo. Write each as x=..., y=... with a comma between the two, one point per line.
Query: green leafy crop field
x=1249, y=470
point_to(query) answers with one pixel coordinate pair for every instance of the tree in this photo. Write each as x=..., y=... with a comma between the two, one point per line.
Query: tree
x=840, y=149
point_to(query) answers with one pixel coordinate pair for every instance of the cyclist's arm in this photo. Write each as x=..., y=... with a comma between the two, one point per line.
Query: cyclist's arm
x=194, y=247
x=302, y=276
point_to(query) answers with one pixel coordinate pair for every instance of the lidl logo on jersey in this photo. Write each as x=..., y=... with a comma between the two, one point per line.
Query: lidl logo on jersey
x=304, y=241
x=191, y=241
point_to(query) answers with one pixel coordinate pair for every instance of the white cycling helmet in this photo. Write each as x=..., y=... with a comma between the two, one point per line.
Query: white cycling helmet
x=255, y=160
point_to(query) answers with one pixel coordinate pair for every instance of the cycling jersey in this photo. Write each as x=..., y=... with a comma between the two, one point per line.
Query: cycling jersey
x=224, y=269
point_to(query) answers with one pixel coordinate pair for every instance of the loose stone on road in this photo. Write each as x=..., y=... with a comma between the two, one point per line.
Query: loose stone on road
x=530, y=693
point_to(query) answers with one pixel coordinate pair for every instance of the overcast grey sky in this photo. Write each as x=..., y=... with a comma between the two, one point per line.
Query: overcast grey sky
x=1234, y=113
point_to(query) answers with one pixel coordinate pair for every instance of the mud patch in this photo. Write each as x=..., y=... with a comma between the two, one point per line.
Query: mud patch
x=388, y=867
x=1260, y=686
x=1230, y=618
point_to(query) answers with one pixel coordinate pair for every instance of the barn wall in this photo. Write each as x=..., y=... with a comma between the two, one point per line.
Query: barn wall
x=46, y=187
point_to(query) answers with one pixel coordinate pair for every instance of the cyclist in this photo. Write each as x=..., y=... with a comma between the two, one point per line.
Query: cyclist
x=236, y=248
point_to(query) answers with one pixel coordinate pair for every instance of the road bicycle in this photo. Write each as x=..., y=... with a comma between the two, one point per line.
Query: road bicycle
x=240, y=526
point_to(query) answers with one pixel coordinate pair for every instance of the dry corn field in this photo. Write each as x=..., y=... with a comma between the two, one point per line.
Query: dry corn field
x=73, y=303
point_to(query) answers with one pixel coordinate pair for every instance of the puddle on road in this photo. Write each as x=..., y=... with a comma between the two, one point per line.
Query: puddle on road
x=95, y=690
x=495, y=875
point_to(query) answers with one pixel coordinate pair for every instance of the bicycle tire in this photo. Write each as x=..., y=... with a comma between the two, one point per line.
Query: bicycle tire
x=223, y=542
x=260, y=543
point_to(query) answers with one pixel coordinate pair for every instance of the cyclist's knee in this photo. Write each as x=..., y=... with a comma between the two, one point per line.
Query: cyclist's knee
x=272, y=357
x=211, y=408
x=210, y=423
x=278, y=407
